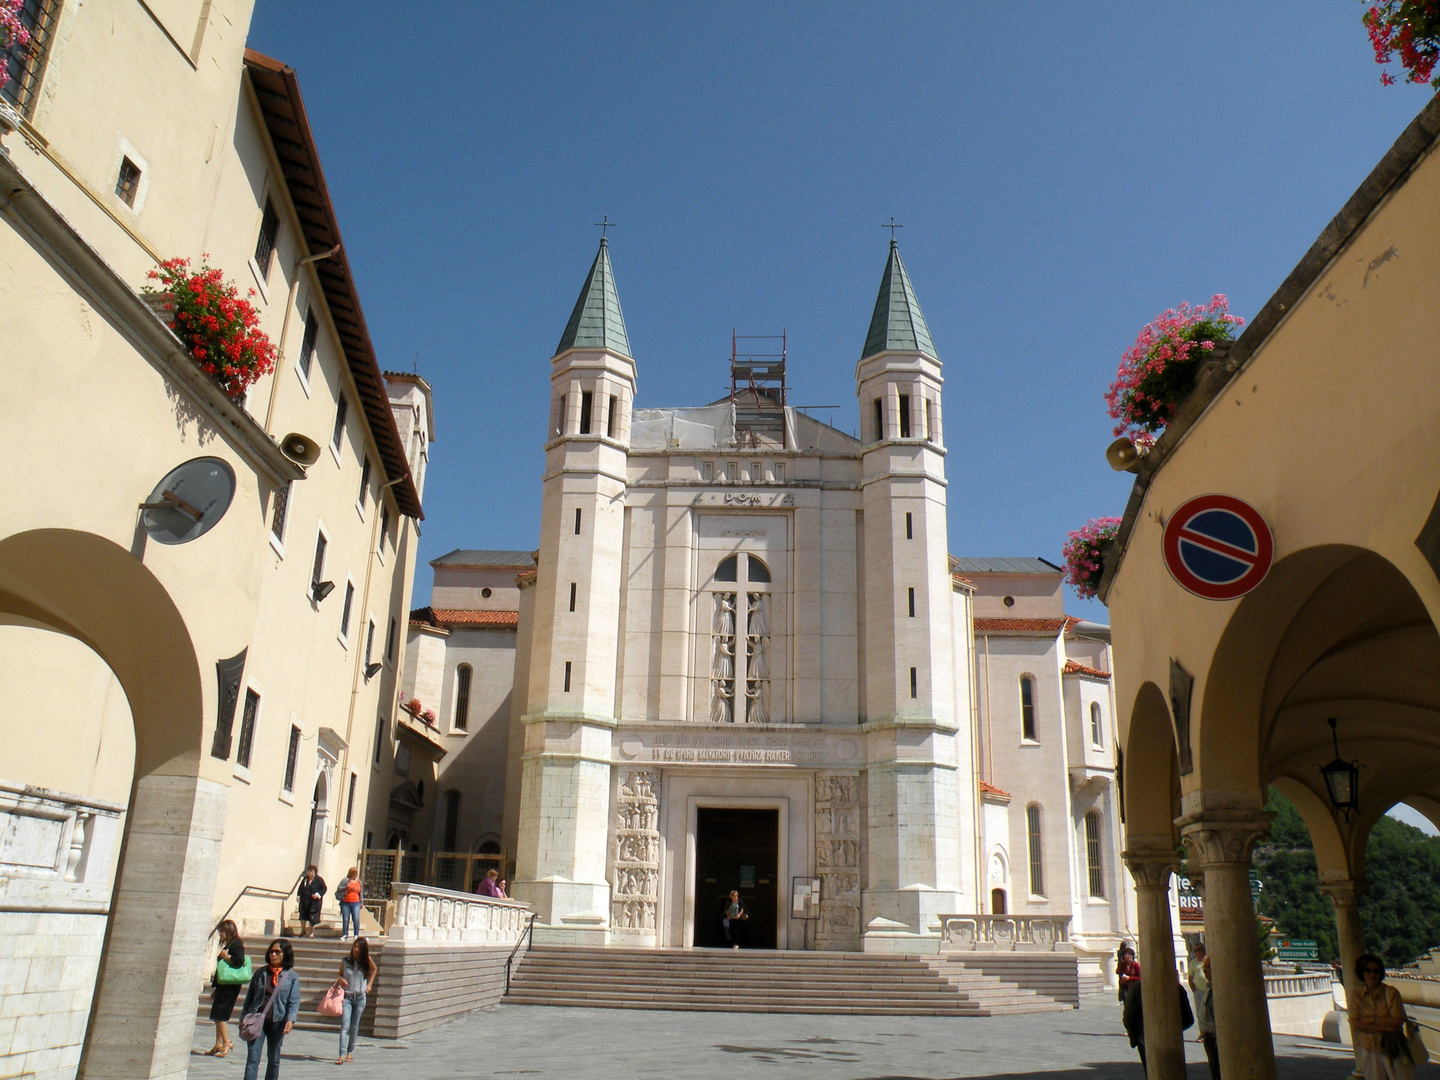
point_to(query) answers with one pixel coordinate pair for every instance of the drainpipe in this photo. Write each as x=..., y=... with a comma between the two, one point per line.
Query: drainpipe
x=285, y=327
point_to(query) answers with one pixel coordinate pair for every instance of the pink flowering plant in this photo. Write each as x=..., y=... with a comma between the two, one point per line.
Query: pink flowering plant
x=1158, y=372
x=13, y=33
x=1082, y=550
x=219, y=327
x=1410, y=28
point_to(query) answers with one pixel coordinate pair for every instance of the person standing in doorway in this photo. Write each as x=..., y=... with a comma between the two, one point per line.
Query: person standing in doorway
x=357, y=975
x=222, y=1001
x=732, y=919
x=349, y=893
x=277, y=980
x=1378, y=1025
x=312, y=896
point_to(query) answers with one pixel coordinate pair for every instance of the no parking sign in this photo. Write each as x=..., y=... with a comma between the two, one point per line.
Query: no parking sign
x=1218, y=547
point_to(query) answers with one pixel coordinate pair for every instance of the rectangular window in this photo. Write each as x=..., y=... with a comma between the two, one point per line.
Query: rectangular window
x=577, y=521
x=24, y=65
x=379, y=737
x=384, y=527
x=319, y=568
x=350, y=800
x=1092, y=855
x=909, y=526
x=402, y=759
x=572, y=596
x=1027, y=707
x=587, y=404
x=904, y=416
x=345, y=611
x=912, y=603
x=265, y=242
x=879, y=419
x=364, y=481
x=1097, y=728
x=341, y=408
x=292, y=756
x=914, y=683
x=390, y=636
x=757, y=472
x=567, y=676
x=614, y=416
x=127, y=184
x=929, y=420
x=247, y=728
x=1033, y=848
x=732, y=471
x=307, y=342
x=707, y=470
x=462, y=697
x=369, y=640
x=560, y=417
x=278, y=511
x=779, y=472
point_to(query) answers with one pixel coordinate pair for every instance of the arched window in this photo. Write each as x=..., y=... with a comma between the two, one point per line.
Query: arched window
x=489, y=847
x=1093, y=854
x=462, y=699
x=1027, y=708
x=452, y=818
x=1035, y=850
x=740, y=657
x=1097, y=731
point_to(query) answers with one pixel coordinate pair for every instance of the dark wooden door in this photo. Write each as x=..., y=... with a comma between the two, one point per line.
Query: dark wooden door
x=737, y=849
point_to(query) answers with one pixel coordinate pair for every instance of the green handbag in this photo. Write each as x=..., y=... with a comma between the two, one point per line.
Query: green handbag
x=225, y=975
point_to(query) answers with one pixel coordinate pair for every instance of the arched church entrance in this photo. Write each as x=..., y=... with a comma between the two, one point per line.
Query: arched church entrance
x=156, y=918
x=737, y=849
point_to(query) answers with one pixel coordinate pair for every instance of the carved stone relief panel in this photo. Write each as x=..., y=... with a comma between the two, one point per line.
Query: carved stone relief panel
x=635, y=887
x=837, y=859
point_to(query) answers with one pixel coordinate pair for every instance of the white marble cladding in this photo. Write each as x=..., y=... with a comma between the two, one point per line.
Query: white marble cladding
x=56, y=850
x=426, y=914
x=692, y=743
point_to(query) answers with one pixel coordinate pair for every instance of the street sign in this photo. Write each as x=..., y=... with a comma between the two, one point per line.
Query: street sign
x=1297, y=949
x=1192, y=904
x=1255, y=887
x=1217, y=547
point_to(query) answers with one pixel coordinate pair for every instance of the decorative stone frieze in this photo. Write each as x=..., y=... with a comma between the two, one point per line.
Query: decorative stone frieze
x=635, y=873
x=1004, y=933
x=837, y=859
x=1223, y=838
x=426, y=914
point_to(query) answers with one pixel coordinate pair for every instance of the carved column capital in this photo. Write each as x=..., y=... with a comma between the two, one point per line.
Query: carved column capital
x=1223, y=838
x=1345, y=894
x=1151, y=869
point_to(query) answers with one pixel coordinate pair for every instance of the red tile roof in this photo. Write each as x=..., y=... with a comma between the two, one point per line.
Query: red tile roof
x=464, y=617
x=991, y=789
x=1074, y=668
x=1021, y=626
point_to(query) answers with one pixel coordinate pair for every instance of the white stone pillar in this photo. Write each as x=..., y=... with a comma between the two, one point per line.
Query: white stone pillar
x=1219, y=843
x=1164, y=1037
x=143, y=1016
x=1345, y=895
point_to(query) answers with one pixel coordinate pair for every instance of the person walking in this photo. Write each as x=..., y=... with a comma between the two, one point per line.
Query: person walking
x=312, y=897
x=349, y=893
x=357, y=974
x=222, y=999
x=1127, y=969
x=1377, y=1022
x=1133, y=1016
x=274, y=993
x=732, y=919
x=1205, y=1012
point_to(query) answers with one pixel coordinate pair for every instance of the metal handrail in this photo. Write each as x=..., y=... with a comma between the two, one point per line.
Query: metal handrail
x=510, y=960
x=265, y=894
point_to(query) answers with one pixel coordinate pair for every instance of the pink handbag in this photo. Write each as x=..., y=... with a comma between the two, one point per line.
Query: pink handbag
x=333, y=1002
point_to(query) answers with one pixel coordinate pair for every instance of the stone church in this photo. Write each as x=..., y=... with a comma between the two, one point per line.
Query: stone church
x=743, y=658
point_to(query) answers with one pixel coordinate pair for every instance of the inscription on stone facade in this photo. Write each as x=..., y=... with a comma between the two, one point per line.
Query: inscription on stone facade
x=837, y=858
x=636, y=874
x=739, y=749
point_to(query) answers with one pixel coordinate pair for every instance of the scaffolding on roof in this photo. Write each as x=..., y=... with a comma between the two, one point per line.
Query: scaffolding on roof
x=757, y=389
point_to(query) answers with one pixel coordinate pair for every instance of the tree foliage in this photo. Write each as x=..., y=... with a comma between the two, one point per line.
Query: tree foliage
x=1401, y=912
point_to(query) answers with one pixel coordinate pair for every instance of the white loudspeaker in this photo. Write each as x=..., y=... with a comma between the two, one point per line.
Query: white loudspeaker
x=300, y=449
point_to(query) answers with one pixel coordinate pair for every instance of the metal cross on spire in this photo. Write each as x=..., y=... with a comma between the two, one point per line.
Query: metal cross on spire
x=892, y=227
x=604, y=225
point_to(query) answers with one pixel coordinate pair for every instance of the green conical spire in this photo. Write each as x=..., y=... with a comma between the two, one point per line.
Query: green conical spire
x=596, y=322
x=897, y=324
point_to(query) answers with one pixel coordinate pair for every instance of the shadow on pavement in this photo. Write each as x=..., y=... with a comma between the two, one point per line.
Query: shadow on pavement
x=1288, y=1067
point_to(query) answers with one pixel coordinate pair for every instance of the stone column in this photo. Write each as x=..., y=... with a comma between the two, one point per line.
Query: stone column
x=1345, y=895
x=1219, y=843
x=143, y=1017
x=1164, y=1037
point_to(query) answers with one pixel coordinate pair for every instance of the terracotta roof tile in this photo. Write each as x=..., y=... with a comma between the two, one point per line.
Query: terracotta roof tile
x=464, y=617
x=1022, y=626
x=991, y=789
x=1072, y=667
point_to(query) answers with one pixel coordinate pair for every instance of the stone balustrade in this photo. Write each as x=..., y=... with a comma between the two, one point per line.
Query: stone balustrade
x=1278, y=986
x=423, y=913
x=1004, y=933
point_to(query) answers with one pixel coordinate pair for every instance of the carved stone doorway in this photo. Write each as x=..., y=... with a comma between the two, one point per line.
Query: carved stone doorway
x=737, y=849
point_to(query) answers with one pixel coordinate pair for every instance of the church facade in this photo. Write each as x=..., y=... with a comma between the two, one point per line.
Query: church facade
x=744, y=659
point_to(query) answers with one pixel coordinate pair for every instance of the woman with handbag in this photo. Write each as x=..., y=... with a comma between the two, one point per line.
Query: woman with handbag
x=357, y=975
x=271, y=1006
x=349, y=893
x=232, y=971
x=1378, y=1023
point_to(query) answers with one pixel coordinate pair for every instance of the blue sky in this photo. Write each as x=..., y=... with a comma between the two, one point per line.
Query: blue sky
x=1063, y=175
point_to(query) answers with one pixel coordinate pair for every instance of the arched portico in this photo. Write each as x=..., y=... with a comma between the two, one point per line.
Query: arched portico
x=75, y=583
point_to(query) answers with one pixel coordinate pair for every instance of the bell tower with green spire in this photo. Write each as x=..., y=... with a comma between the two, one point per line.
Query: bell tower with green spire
x=570, y=713
x=913, y=779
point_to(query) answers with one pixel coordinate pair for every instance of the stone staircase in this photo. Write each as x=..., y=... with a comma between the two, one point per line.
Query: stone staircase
x=317, y=960
x=719, y=980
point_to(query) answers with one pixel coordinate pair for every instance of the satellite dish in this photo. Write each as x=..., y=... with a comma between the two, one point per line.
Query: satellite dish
x=189, y=501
